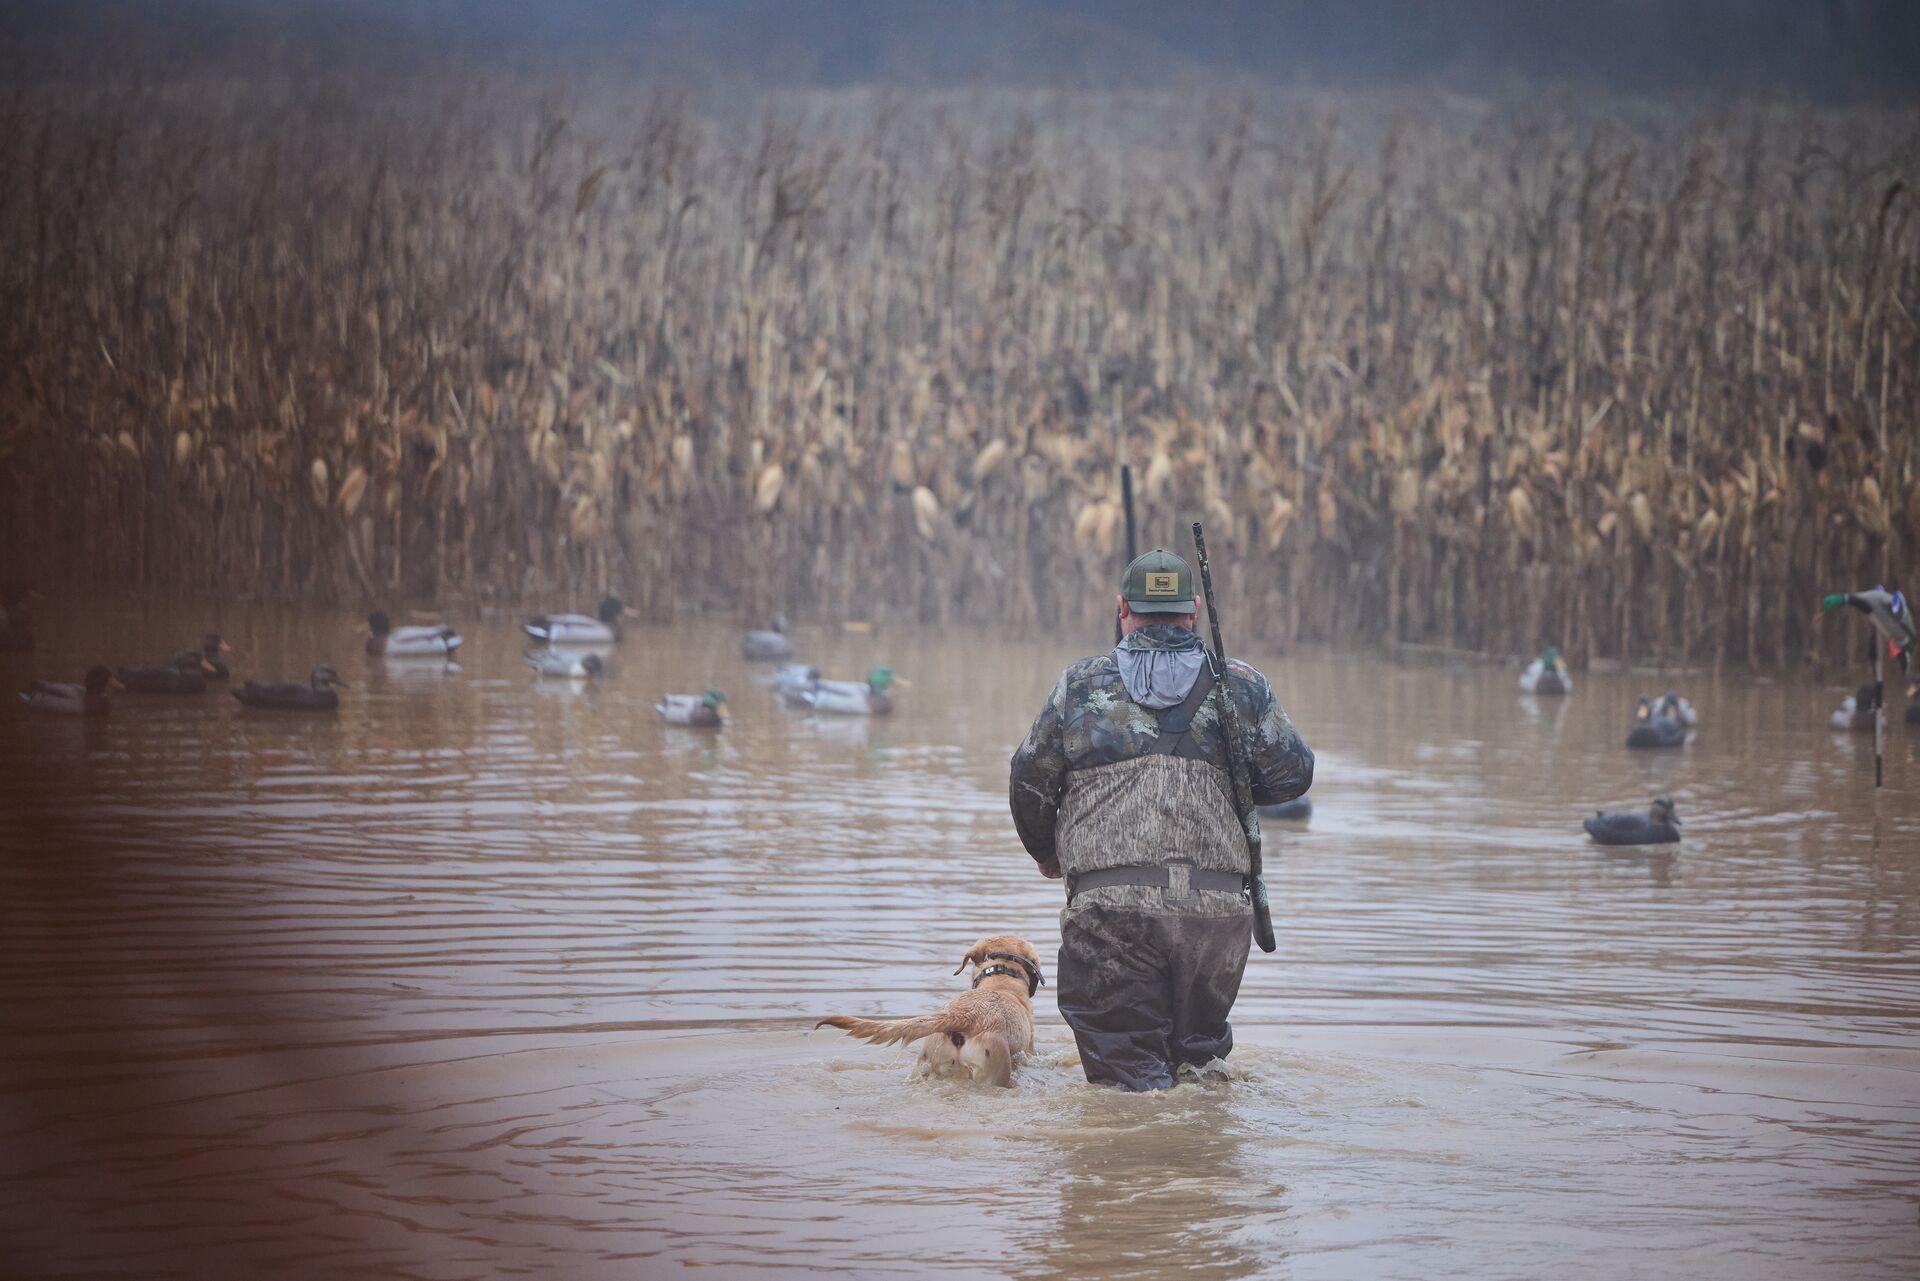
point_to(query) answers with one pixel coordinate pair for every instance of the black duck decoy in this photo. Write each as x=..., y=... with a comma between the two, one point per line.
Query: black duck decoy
x=1657, y=724
x=316, y=696
x=180, y=674
x=768, y=646
x=57, y=699
x=16, y=619
x=212, y=666
x=1658, y=826
x=1298, y=810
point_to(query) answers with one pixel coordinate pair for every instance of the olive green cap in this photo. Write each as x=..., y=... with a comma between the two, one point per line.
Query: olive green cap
x=1158, y=582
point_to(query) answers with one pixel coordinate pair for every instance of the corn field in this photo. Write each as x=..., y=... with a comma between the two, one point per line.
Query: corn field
x=1639, y=378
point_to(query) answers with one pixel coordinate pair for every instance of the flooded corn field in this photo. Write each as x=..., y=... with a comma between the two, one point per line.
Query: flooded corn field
x=489, y=974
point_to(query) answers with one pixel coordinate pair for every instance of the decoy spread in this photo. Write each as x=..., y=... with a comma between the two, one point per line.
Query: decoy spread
x=180, y=674
x=707, y=711
x=315, y=696
x=578, y=629
x=57, y=699
x=767, y=646
x=802, y=686
x=388, y=641
x=559, y=663
x=1658, y=826
x=1657, y=723
x=207, y=657
x=1547, y=674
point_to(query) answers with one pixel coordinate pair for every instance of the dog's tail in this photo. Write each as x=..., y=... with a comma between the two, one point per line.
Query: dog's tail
x=888, y=1031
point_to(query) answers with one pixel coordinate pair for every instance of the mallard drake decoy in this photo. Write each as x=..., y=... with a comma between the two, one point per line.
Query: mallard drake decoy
x=847, y=698
x=315, y=696
x=708, y=710
x=16, y=619
x=1658, y=826
x=1298, y=810
x=768, y=646
x=1657, y=724
x=1855, y=711
x=554, y=662
x=386, y=640
x=578, y=629
x=791, y=679
x=207, y=657
x=57, y=699
x=1547, y=674
x=180, y=674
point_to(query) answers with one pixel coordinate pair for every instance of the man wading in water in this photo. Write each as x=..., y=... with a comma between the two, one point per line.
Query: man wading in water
x=1123, y=787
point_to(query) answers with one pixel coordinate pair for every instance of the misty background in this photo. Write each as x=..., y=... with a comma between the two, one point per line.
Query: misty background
x=1830, y=49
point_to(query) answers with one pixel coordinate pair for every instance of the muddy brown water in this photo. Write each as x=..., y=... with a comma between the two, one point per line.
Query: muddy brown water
x=486, y=975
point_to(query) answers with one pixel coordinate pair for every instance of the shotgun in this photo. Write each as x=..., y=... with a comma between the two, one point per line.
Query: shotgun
x=1236, y=756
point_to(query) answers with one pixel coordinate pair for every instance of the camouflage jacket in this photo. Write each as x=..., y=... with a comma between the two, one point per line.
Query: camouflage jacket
x=1087, y=789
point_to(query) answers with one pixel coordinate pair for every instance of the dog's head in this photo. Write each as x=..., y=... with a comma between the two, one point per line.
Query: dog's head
x=1007, y=952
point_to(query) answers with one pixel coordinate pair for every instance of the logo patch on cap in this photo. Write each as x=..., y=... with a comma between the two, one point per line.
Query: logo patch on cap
x=1163, y=584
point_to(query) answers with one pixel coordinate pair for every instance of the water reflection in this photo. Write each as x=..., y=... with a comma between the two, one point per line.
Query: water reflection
x=366, y=987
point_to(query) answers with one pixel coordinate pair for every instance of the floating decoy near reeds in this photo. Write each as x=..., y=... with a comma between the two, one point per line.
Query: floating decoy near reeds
x=315, y=696
x=1547, y=674
x=207, y=657
x=1855, y=711
x=57, y=699
x=1658, y=826
x=578, y=629
x=1674, y=705
x=841, y=698
x=768, y=646
x=16, y=619
x=706, y=711
x=1298, y=810
x=1657, y=724
x=388, y=641
x=560, y=663
x=180, y=674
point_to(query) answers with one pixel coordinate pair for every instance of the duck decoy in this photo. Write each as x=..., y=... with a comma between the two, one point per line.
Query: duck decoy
x=767, y=646
x=578, y=629
x=207, y=657
x=790, y=680
x=315, y=696
x=57, y=699
x=1913, y=703
x=1657, y=724
x=16, y=619
x=1672, y=704
x=1658, y=826
x=846, y=698
x=386, y=640
x=1855, y=711
x=707, y=711
x=1298, y=810
x=1547, y=674
x=180, y=674
x=553, y=662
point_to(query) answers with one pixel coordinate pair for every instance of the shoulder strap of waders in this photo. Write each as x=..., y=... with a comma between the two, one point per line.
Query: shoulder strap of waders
x=1173, y=739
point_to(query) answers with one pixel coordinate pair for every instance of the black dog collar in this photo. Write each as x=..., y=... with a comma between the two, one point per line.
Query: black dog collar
x=1031, y=971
